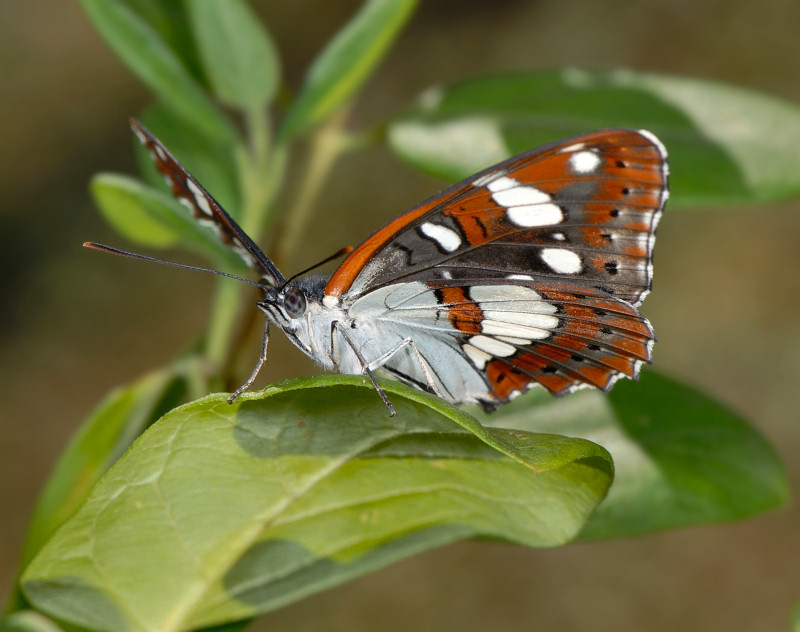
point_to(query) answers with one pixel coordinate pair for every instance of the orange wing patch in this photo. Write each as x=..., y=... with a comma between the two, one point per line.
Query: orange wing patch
x=465, y=314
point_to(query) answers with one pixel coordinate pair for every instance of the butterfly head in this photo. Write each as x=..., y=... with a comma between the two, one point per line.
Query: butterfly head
x=285, y=304
x=289, y=304
x=297, y=308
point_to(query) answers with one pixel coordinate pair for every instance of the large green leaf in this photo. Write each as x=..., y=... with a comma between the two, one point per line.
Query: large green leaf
x=238, y=54
x=223, y=511
x=143, y=51
x=347, y=62
x=153, y=218
x=680, y=458
x=101, y=440
x=725, y=143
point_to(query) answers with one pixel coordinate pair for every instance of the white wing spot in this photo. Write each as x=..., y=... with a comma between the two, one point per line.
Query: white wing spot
x=562, y=261
x=514, y=314
x=559, y=236
x=527, y=206
x=500, y=184
x=520, y=196
x=519, y=277
x=160, y=153
x=479, y=358
x=539, y=215
x=584, y=162
x=516, y=298
x=519, y=342
x=492, y=347
x=571, y=148
x=536, y=316
x=447, y=238
x=523, y=334
x=200, y=198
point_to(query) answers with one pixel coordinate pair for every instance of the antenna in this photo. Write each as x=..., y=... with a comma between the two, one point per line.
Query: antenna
x=136, y=255
x=339, y=253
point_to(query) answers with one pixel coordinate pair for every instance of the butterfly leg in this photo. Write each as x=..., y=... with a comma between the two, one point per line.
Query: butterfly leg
x=426, y=369
x=262, y=358
x=364, y=365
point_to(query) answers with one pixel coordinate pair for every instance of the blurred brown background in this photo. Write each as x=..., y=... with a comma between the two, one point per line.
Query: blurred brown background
x=726, y=304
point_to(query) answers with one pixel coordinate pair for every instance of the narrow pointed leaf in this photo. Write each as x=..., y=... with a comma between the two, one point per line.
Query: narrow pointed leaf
x=347, y=62
x=222, y=511
x=725, y=144
x=168, y=19
x=238, y=54
x=680, y=457
x=143, y=51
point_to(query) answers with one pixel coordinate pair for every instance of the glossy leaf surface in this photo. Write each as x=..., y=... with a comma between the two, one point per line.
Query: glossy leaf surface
x=222, y=511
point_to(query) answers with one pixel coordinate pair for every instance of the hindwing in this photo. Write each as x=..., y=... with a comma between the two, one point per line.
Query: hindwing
x=513, y=337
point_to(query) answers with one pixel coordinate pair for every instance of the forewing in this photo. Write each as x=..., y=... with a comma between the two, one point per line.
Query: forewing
x=582, y=212
x=204, y=207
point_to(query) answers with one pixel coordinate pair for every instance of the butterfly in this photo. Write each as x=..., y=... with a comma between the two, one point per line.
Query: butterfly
x=527, y=273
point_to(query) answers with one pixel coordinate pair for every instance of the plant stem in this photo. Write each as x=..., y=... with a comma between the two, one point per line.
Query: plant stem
x=327, y=144
x=258, y=183
x=223, y=320
x=254, y=161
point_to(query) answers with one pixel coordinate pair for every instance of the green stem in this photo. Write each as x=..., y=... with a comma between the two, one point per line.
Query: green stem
x=327, y=144
x=258, y=183
x=254, y=162
x=223, y=321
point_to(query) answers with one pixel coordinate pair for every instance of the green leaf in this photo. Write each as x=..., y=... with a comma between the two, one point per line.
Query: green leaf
x=101, y=440
x=222, y=511
x=156, y=219
x=680, y=458
x=725, y=144
x=238, y=54
x=347, y=62
x=141, y=48
x=168, y=19
x=27, y=621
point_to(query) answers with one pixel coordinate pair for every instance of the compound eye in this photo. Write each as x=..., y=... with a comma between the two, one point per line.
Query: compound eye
x=294, y=302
